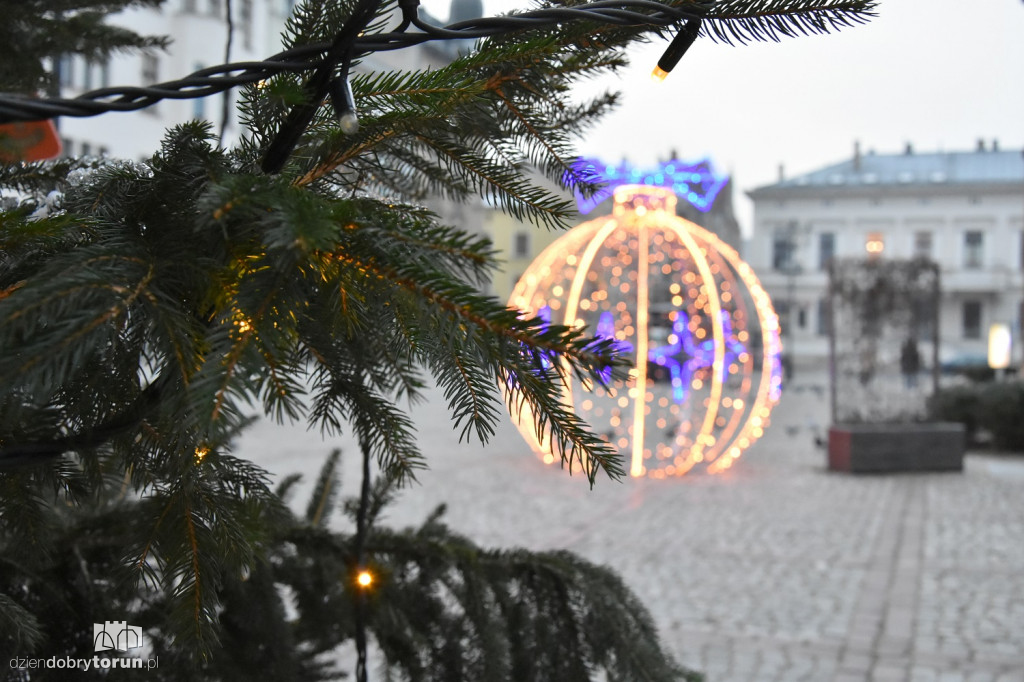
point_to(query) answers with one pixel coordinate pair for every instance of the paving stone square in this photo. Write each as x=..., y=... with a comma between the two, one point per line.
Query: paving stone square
x=776, y=570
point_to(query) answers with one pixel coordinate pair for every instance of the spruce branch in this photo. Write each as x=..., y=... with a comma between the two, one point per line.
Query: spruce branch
x=522, y=372
x=547, y=615
x=20, y=629
x=13, y=455
x=38, y=31
x=496, y=181
x=745, y=21
x=321, y=502
x=554, y=154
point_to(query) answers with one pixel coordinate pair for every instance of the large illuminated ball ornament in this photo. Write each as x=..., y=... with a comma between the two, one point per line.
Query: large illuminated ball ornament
x=699, y=328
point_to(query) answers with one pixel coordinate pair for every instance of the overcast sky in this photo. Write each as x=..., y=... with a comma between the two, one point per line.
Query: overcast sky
x=938, y=74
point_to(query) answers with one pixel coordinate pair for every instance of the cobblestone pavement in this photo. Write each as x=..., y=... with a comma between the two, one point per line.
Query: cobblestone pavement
x=777, y=570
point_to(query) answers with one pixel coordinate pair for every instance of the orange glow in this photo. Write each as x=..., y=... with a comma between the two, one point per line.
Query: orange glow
x=875, y=244
x=364, y=578
x=703, y=416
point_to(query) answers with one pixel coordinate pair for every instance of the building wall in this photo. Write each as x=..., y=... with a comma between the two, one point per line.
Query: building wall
x=976, y=235
x=518, y=244
x=198, y=30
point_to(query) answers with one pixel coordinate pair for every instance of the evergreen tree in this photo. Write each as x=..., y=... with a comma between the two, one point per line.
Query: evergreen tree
x=145, y=306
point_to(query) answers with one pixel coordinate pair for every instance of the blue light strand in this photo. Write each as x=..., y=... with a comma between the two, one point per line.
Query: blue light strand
x=696, y=183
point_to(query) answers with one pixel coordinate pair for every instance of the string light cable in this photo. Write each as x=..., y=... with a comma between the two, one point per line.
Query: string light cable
x=717, y=25
x=726, y=21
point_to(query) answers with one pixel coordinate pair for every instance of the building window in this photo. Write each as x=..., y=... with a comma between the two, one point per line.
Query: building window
x=972, y=319
x=874, y=244
x=66, y=68
x=801, y=317
x=214, y=7
x=974, y=249
x=188, y=6
x=922, y=310
x=824, y=318
x=199, y=103
x=150, y=74
x=922, y=244
x=782, y=252
x=826, y=249
x=245, y=19
x=782, y=309
x=150, y=69
x=94, y=69
x=86, y=149
x=521, y=245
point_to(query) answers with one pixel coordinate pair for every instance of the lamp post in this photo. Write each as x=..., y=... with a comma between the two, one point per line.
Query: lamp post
x=793, y=236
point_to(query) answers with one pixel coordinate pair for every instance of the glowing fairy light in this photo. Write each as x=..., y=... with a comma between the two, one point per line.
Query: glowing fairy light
x=672, y=293
x=364, y=578
x=659, y=74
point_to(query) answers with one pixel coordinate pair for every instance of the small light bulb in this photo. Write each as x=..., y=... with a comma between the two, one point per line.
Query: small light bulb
x=677, y=48
x=364, y=578
x=344, y=105
x=349, y=123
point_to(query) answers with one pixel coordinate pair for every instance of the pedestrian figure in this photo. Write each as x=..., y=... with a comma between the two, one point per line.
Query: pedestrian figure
x=910, y=362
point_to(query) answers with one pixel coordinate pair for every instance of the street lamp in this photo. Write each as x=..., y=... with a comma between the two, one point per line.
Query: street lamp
x=999, y=346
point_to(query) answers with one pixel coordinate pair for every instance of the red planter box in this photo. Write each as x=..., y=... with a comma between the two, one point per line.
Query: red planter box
x=883, y=448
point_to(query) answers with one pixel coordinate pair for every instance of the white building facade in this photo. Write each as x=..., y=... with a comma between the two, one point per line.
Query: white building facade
x=964, y=210
x=198, y=30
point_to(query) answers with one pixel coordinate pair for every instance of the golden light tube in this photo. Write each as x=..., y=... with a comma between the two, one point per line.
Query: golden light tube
x=704, y=436
x=768, y=322
x=642, y=304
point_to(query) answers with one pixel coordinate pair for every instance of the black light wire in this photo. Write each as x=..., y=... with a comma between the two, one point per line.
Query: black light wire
x=216, y=79
x=318, y=86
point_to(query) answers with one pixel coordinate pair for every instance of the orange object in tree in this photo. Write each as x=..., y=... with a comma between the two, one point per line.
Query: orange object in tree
x=29, y=141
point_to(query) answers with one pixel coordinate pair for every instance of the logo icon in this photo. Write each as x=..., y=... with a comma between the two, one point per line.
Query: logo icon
x=116, y=635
